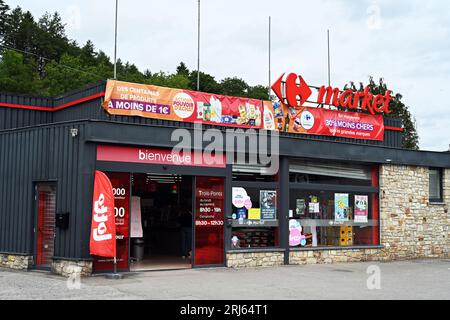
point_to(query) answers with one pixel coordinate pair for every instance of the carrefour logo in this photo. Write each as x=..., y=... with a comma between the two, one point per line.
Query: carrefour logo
x=307, y=120
x=183, y=105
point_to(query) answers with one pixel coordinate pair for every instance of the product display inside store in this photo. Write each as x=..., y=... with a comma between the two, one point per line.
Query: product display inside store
x=326, y=218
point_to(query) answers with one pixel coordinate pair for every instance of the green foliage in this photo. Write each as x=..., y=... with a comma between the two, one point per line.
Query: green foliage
x=234, y=87
x=17, y=76
x=258, y=92
x=207, y=83
x=410, y=139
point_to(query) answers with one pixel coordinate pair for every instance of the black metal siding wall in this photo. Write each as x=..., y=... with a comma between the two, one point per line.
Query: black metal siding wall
x=17, y=118
x=42, y=154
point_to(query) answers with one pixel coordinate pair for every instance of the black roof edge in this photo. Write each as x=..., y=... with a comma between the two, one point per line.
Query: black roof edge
x=53, y=99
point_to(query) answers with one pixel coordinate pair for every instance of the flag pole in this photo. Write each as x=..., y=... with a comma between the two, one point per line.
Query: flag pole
x=329, y=63
x=198, y=48
x=115, y=42
x=270, y=49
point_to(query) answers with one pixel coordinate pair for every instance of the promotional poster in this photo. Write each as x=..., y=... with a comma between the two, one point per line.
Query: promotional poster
x=341, y=209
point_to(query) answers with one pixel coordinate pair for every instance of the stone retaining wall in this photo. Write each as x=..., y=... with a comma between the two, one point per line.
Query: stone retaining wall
x=16, y=262
x=334, y=256
x=68, y=268
x=254, y=259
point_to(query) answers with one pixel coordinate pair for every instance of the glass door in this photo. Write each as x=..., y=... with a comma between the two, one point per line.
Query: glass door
x=209, y=221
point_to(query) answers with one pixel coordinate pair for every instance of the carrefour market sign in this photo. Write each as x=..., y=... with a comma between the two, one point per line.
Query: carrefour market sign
x=292, y=90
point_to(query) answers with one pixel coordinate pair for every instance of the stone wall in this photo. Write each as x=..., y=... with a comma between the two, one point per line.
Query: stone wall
x=68, y=268
x=334, y=256
x=16, y=262
x=411, y=226
x=254, y=259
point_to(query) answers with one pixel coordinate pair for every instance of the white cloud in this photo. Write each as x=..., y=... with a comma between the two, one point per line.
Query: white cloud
x=408, y=45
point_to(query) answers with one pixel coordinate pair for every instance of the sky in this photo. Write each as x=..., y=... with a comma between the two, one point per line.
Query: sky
x=406, y=42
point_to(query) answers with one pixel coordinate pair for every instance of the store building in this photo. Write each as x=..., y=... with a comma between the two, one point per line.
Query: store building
x=333, y=199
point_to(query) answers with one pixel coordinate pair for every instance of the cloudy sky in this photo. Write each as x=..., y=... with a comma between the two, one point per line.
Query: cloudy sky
x=407, y=42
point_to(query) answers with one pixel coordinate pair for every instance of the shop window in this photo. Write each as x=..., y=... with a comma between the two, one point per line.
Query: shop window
x=325, y=218
x=435, y=185
x=255, y=218
x=254, y=208
x=333, y=204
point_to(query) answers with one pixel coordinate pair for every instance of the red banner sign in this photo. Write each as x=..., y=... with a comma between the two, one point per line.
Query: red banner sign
x=103, y=229
x=335, y=123
x=121, y=189
x=157, y=156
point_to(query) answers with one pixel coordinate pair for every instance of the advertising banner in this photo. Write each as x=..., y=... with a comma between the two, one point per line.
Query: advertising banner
x=341, y=207
x=361, y=209
x=120, y=183
x=103, y=229
x=148, y=101
x=319, y=121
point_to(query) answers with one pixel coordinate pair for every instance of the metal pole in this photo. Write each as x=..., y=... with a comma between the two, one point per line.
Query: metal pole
x=198, y=49
x=115, y=43
x=270, y=49
x=329, y=64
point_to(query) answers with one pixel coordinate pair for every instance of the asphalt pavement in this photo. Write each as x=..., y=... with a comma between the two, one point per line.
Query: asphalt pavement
x=415, y=279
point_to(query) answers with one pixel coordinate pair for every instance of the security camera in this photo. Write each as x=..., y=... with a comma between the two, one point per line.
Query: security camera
x=74, y=132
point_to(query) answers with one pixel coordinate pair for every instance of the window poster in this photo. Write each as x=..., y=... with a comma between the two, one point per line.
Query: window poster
x=361, y=209
x=268, y=200
x=300, y=207
x=314, y=207
x=254, y=214
x=341, y=209
x=239, y=197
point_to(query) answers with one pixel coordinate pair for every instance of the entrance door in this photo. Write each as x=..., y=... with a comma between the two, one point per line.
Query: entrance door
x=209, y=221
x=45, y=238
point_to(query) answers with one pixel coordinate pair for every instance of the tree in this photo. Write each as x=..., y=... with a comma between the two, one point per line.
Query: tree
x=410, y=138
x=88, y=55
x=4, y=16
x=17, y=76
x=258, y=92
x=69, y=74
x=234, y=87
x=207, y=83
x=182, y=69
